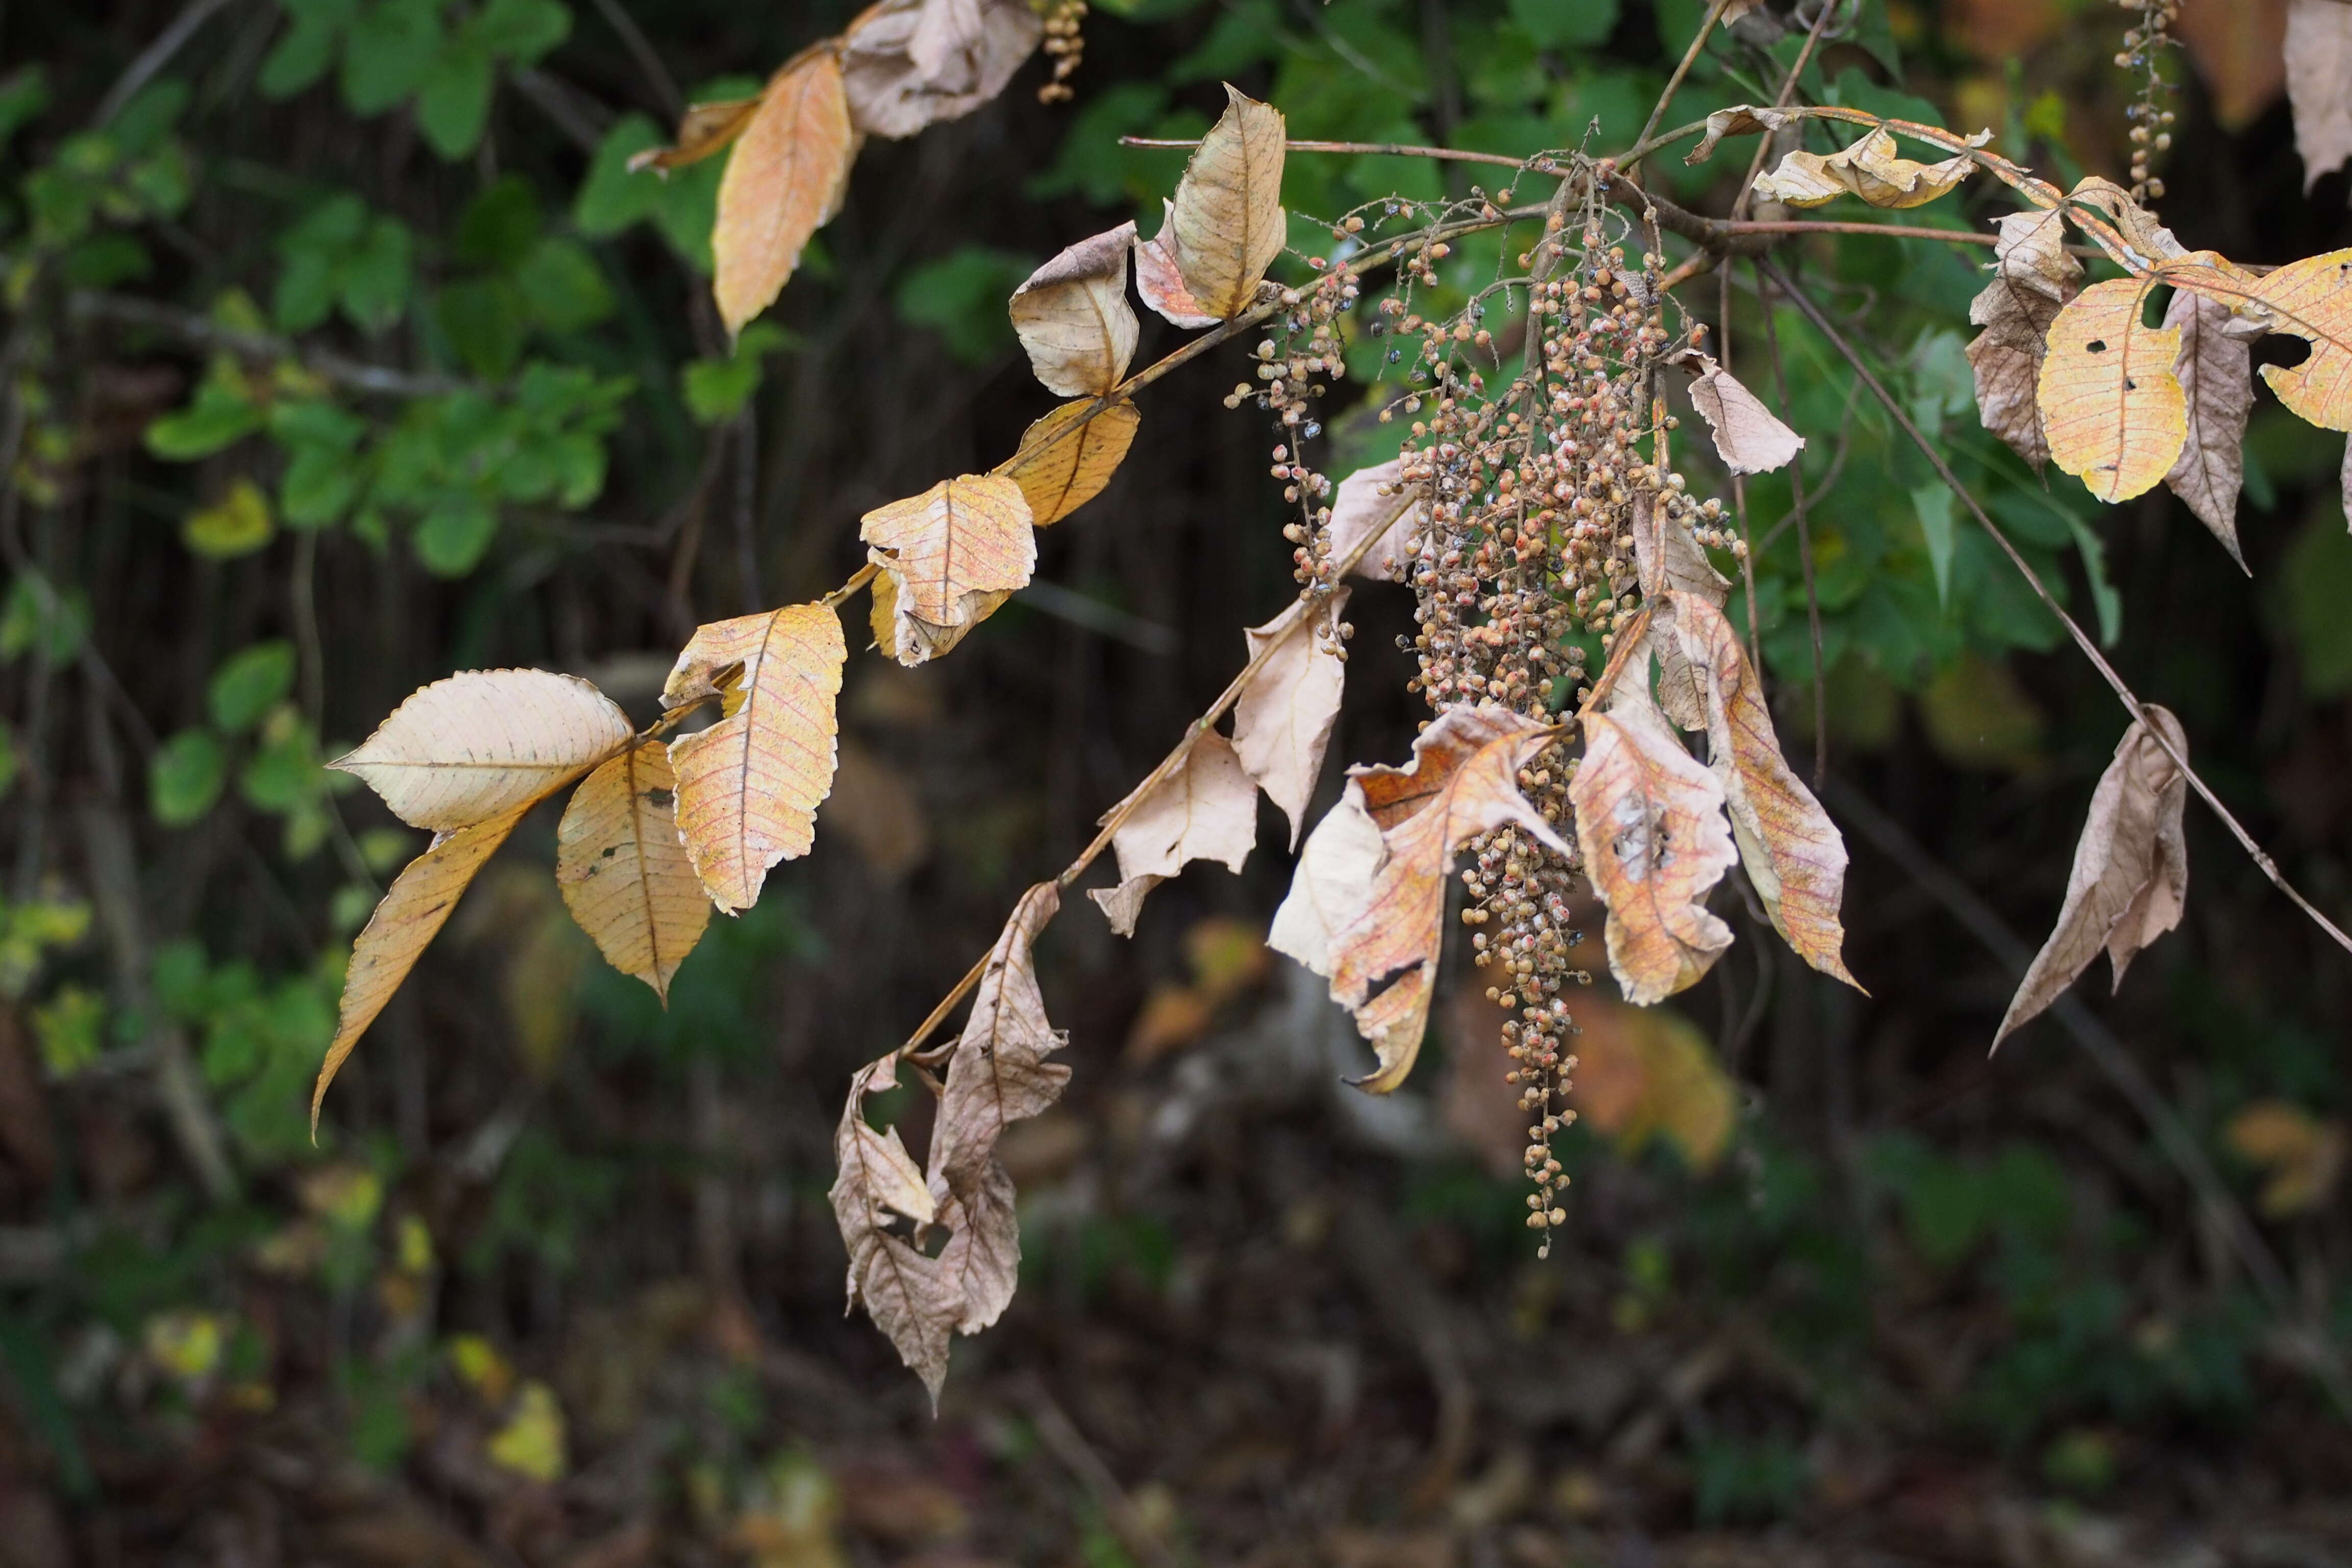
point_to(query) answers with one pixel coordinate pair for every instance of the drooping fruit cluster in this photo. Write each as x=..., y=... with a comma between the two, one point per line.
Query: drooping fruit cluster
x=1064, y=42
x=2151, y=125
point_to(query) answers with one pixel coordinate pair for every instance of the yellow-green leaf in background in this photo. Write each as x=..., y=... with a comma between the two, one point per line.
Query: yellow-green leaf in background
x=237, y=524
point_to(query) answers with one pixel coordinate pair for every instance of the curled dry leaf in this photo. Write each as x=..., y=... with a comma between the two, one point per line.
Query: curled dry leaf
x=402, y=926
x=999, y=1074
x=1667, y=556
x=747, y=786
x=2130, y=877
x=906, y=64
x=1378, y=499
x=482, y=742
x=704, y=128
x=1333, y=882
x=1227, y=224
x=2311, y=299
x=913, y=642
x=2115, y=414
x=1748, y=436
x=2216, y=368
x=1283, y=720
x=784, y=182
x=1160, y=282
x=624, y=871
x=946, y=553
x=906, y=1293
x=1066, y=457
x=2033, y=277
x=1869, y=169
x=1650, y=820
x=1739, y=120
x=2319, y=84
x=1463, y=781
x=1205, y=810
x=1793, y=853
x=2136, y=224
x=1073, y=317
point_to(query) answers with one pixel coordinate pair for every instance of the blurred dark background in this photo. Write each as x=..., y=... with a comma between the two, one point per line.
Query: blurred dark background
x=342, y=353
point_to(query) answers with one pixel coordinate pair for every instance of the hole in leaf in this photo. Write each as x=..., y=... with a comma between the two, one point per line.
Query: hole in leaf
x=2096, y=346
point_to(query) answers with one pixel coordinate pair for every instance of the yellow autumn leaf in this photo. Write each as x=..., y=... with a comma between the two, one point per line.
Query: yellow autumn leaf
x=481, y=743
x=1227, y=225
x=2112, y=411
x=624, y=872
x=1060, y=468
x=2312, y=300
x=403, y=925
x=531, y=1442
x=784, y=182
x=747, y=786
x=946, y=552
x=237, y=524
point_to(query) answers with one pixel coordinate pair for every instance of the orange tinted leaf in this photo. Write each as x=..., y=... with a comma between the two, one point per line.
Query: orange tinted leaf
x=2311, y=299
x=1158, y=280
x=946, y=552
x=624, y=872
x=703, y=130
x=1060, y=468
x=2115, y=413
x=1227, y=225
x=782, y=183
x=747, y=786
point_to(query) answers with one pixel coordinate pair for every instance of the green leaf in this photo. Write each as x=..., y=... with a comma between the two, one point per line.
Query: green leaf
x=717, y=389
x=248, y=684
x=305, y=51
x=283, y=773
x=521, y=31
x=453, y=101
x=391, y=47
x=611, y=198
x=184, y=777
x=23, y=96
x=10, y=763
x=36, y=619
x=104, y=260
x=500, y=224
x=1932, y=504
x=961, y=297
x=237, y=524
x=70, y=1024
x=305, y=295
x=219, y=416
x=566, y=291
x=484, y=319
x=142, y=123
x=376, y=276
x=2313, y=590
x=319, y=486
x=1553, y=24
x=452, y=538
x=2103, y=597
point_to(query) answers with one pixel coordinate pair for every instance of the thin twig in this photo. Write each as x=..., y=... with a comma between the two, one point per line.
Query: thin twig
x=2132, y=704
x=641, y=51
x=1787, y=90
x=1738, y=483
x=1673, y=83
x=196, y=327
x=153, y=58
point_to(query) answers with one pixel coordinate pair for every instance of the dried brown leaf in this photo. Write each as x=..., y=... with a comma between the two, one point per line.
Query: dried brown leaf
x=1205, y=810
x=2319, y=84
x=875, y=806
x=1463, y=781
x=784, y=182
x=1073, y=317
x=912, y=642
x=1228, y=224
x=1059, y=468
x=624, y=871
x=999, y=1074
x=2113, y=412
x=2130, y=878
x=1668, y=556
x=704, y=128
x=1283, y=720
x=1379, y=500
x=1793, y=853
x=1748, y=436
x=403, y=925
x=1159, y=281
x=1649, y=817
x=946, y=553
x=906, y=64
x=2033, y=277
x=1332, y=884
x=1739, y=120
x=747, y=786
x=482, y=742
x=910, y=1296
x=2216, y=368
x=1870, y=169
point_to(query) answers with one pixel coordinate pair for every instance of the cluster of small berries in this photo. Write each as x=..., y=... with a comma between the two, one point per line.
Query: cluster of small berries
x=2151, y=126
x=1063, y=42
